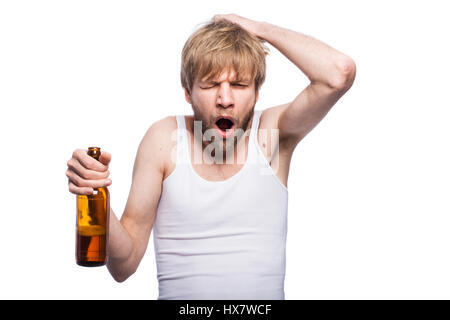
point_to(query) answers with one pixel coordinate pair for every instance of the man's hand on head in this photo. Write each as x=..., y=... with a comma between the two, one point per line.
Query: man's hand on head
x=253, y=27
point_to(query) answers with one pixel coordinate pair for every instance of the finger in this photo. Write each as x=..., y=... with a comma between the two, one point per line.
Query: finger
x=105, y=158
x=76, y=166
x=80, y=190
x=80, y=182
x=217, y=17
x=87, y=161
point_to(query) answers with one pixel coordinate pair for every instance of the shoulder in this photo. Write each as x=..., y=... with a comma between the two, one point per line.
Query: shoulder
x=269, y=117
x=268, y=121
x=269, y=127
x=158, y=141
x=160, y=132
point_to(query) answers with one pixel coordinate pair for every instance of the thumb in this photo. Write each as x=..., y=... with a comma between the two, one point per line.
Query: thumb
x=105, y=158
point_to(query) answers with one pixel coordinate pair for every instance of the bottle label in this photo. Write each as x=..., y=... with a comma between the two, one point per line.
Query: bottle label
x=89, y=231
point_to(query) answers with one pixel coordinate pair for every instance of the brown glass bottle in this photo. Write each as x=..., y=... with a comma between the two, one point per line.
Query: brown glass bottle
x=92, y=224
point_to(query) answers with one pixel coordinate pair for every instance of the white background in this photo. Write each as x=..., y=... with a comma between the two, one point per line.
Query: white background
x=368, y=187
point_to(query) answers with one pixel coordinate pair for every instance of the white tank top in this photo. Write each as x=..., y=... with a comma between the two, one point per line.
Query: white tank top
x=221, y=239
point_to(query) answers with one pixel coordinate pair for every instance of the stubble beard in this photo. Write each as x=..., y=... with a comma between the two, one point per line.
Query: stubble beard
x=215, y=142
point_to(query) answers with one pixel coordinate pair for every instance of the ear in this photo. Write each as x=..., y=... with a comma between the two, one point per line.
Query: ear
x=256, y=96
x=187, y=96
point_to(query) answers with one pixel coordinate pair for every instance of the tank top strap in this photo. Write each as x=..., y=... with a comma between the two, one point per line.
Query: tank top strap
x=182, y=140
x=253, y=155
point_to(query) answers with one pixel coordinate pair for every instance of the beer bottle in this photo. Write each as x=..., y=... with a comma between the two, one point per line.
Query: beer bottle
x=92, y=224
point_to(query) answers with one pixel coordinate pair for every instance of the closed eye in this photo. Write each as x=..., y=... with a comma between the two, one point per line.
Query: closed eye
x=212, y=85
x=209, y=86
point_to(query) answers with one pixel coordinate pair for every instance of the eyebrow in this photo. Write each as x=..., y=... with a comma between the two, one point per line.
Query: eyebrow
x=233, y=81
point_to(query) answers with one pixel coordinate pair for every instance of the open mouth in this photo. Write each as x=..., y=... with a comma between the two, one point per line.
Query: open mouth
x=225, y=126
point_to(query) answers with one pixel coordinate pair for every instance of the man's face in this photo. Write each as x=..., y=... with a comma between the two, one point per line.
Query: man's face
x=223, y=97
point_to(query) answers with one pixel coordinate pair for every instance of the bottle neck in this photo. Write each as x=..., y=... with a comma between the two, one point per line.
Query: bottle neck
x=94, y=152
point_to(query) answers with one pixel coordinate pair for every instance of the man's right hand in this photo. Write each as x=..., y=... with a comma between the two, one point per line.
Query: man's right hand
x=86, y=174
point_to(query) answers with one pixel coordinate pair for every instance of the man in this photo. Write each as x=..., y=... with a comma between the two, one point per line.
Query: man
x=213, y=186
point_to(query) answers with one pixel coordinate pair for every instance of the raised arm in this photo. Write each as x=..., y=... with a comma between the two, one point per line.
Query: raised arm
x=331, y=74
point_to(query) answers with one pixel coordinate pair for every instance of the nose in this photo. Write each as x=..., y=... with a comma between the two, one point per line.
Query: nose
x=225, y=96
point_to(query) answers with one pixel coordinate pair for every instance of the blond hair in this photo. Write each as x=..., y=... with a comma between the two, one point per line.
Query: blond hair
x=219, y=46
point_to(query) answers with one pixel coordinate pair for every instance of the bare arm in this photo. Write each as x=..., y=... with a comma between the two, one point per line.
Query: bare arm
x=128, y=238
x=331, y=74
